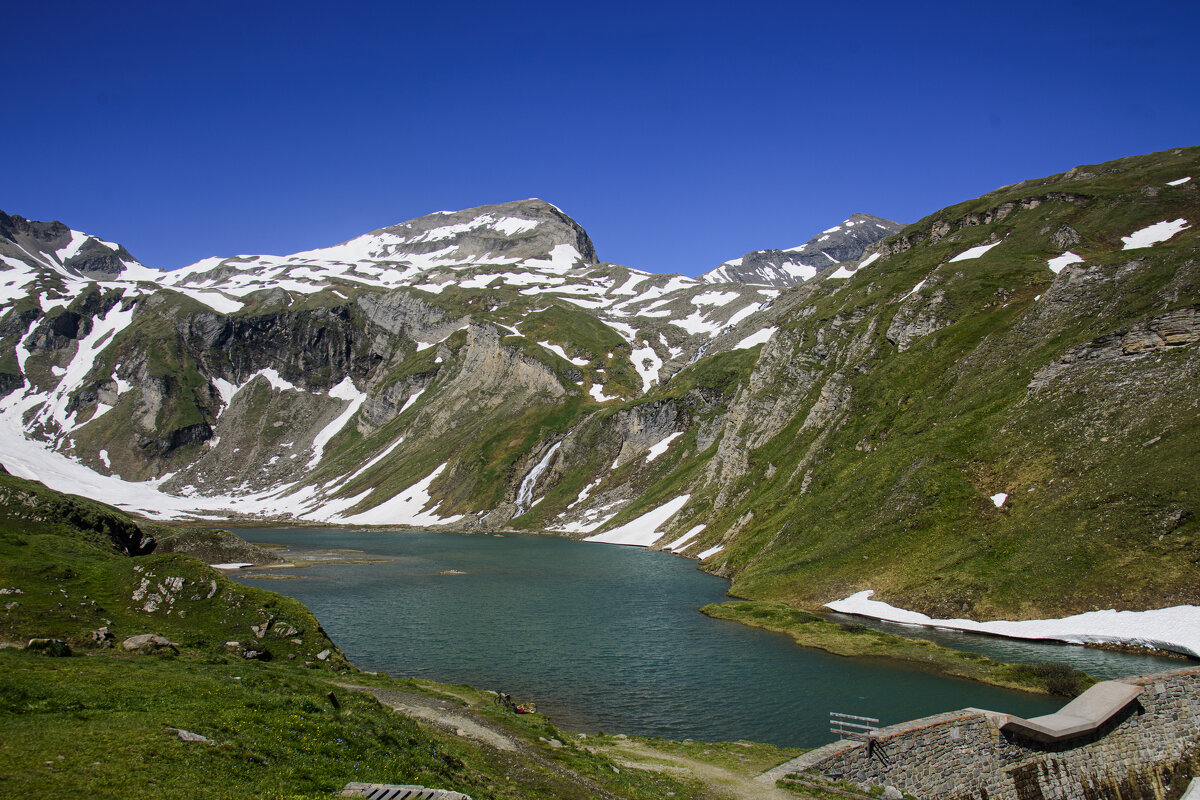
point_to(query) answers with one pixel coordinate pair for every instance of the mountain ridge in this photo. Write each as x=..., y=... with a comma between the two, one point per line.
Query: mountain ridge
x=487, y=388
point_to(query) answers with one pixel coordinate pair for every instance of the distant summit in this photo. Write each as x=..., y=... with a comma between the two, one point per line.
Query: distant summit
x=783, y=268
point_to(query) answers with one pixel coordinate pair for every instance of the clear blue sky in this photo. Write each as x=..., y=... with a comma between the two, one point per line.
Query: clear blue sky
x=679, y=134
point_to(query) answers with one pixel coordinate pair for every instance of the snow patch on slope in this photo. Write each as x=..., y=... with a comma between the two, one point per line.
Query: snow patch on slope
x=643, y=531
x=974, y=252
x=406, y=508
x=1176, y=628
x=1153, y=234
x=343, y=391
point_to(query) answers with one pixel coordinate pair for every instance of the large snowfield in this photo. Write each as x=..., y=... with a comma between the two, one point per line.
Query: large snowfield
x=1176, y=628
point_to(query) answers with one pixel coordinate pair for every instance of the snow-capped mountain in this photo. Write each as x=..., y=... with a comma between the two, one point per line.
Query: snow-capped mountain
x=843, y=243
x=483, y=369
x=148, y=374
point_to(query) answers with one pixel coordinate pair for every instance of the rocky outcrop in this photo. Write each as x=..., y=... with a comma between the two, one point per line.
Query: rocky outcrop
x=917, y=317
x=1178, y=328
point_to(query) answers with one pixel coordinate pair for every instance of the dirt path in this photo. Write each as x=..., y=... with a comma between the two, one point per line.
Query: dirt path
x=445, y=714
x=723, y=783
x=448, y=715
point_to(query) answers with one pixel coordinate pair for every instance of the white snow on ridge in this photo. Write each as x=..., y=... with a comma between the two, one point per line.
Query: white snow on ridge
x=798, y=270
x=913, y=290
x=409, y=402
x=343, y=391
x=712, y=551
x=387, y=451
x=1057, y=263
x=999, y=498
x=754, y=339
x=696, y=323
x=974, y=252
x=597, y=393
x=643, y=531
x=714, y=298
x=647, y=363
x=406, y=508
x=15, y=281
x=510, y=226
x=740, y=315
x=78, y=240
x=214, y=300
x=1179, y=182
x=558, y=351
x=682, y=541
x=1176, y=628
x=426, y=345
x=104, y=331
x=227, y=390
x=868, y=261
x=1153, y=234
x=660, y=447
x=841, y=272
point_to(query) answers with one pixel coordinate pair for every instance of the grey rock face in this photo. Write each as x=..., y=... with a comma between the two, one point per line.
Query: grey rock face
x=148, y=643
x=92, y=259
x=1177, y=328
x=781, y=268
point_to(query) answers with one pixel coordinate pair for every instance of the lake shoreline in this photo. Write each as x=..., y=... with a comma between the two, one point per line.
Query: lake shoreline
x=809, y=630
x=806, y=629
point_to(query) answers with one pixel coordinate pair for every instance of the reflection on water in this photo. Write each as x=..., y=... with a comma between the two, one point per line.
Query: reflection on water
x=601, y=637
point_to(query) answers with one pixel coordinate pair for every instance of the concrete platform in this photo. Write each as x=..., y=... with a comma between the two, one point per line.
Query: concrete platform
x=1081, y=716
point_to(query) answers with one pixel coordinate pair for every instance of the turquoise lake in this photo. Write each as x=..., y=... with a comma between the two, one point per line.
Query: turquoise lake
x=609, y=638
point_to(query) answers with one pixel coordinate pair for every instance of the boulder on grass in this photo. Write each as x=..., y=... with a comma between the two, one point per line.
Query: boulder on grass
x=149, y=643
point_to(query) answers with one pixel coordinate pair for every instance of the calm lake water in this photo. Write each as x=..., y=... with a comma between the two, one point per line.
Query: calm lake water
x=605, y=638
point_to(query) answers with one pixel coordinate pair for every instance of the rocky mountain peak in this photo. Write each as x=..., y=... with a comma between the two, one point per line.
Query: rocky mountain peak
x=841, y=243
x=70, y=252
x=518, y=229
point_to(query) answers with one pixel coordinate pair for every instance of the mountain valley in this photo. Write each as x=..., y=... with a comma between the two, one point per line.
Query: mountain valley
x=990, y=412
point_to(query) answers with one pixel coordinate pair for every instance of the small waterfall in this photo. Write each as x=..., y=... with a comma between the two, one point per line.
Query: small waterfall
x=525, y=493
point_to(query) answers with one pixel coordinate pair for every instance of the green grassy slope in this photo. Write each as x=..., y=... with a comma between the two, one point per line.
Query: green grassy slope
x=103, y=721
x=1075, y=394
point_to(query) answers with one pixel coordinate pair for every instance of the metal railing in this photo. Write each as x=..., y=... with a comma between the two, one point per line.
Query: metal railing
x=845, y=729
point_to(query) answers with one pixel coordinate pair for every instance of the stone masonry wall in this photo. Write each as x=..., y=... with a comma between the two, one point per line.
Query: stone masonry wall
x=1150, y=750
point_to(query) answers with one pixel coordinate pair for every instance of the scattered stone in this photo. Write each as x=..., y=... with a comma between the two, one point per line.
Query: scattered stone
x=296, y=641
x=103, y=637
x=256, y=655
x=323, y=655
x=233, y=645
x=188, y=736
x=10, y=590
x=149, y=643
x=50, y=647
x=11, y=606
x=892, y=793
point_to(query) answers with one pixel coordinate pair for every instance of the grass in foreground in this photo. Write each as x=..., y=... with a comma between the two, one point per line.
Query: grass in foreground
x=809, y=630
x=102, y=725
